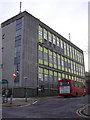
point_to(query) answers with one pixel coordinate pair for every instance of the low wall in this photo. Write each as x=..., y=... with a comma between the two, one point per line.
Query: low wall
x=33, y=92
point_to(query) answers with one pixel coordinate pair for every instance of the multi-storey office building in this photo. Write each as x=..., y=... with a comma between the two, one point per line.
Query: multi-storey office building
x=0, y=53
x=89, y=36
x=38, y=53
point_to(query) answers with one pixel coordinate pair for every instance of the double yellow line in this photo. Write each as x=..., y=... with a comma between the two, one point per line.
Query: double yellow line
x=79, y=111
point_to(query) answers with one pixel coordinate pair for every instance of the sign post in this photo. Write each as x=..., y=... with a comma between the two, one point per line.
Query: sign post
x=14, y=76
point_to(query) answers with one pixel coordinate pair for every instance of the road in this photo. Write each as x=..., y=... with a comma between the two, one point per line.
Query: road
x=48, y=108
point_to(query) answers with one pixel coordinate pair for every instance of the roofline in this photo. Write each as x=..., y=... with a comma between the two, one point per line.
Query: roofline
x=22, y=14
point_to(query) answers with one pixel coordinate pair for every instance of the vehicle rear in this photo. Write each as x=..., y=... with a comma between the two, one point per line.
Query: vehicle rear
x=64, y=87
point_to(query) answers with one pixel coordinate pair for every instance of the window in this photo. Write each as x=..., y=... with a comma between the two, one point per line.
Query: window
x=64, y=83
x=19, y=26
x=66, y=64
x=45, y=34
x=18, y=32
x=59, y=76
x=45, y=54
x=54, y=40
x=75, y=57
x=40, y=55
x=68, y=50
x=76, y=68
x=3, y=36
x=65, y=49
x=61, y=44
x=63, y=76
x=17, y=51
x=40, y=34
x=18, y=43
x=62, y=62
x=50, y=59
x=40, y=74
x=58, y=44
x=17, y=38
x=49, y=37
x=17, y=60
x=55, y=77
x=71, y=52
x=40, y=77
x=18, y=21
x=71, y=66
x=59, y=61
x=51, y=78
x=54, y=60
x=46, y=75
x=55, y=82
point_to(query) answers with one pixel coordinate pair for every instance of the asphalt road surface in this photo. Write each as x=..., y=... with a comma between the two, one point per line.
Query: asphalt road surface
x=48, y=108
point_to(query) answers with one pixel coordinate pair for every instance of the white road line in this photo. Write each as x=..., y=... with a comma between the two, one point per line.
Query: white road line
x=34, y=102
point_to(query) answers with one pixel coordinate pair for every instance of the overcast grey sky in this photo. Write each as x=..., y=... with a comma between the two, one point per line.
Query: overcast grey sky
x=64, y=16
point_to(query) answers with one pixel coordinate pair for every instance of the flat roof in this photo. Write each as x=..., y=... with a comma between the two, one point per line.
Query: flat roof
x=22, y=14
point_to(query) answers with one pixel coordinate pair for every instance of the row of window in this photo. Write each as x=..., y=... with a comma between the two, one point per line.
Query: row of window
x=18, y=40
x=18, y=47
x=69, y=51
x=50, y=78
x=54, y=60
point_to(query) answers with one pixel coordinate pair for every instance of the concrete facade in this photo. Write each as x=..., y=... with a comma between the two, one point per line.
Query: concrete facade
x=0, y=53
x=89, y=36
x=87, y=75
x=39, y=54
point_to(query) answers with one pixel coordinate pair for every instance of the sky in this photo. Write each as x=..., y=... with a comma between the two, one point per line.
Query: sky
x=64, y=16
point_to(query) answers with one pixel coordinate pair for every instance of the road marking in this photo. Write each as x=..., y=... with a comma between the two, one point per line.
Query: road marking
x=25, y=105
x=29, y=104
x=35, y=102
x=79, y=111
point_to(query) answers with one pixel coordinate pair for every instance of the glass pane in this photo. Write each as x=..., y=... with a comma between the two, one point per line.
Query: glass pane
x=18, y=21
x=40, y=76
x=18, y=32
x=46, y=78
x=17, y=43
x=19, y=26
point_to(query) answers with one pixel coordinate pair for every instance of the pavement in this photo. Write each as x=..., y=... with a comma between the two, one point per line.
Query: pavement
x=20, y=102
